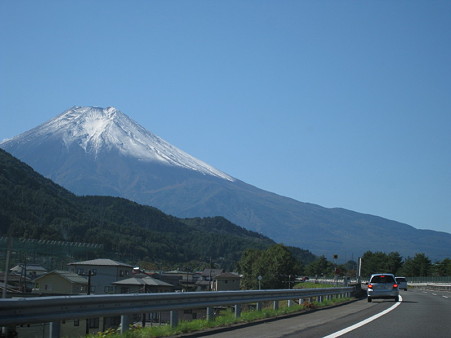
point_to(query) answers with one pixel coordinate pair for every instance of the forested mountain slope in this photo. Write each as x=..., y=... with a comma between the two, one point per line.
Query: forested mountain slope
x=34, y=207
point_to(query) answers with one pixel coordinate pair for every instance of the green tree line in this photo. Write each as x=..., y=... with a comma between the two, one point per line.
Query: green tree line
x=418, y=266
x=380, y=262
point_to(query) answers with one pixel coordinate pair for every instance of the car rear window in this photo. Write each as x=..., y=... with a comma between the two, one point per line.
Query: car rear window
x=382, y=279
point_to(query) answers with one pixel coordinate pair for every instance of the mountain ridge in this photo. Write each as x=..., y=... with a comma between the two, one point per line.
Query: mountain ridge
x=184, y=192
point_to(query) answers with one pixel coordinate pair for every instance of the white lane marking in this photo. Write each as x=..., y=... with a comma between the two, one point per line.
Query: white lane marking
x=434, y=294
x=364, y=322
x=445, y=296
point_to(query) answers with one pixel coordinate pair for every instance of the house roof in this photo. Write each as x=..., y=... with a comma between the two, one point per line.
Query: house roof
x=211, y=272
x=227, y=275
x=12, y=277
x=69, y=276
x=102, y=262
x=142, y=281
x=30, y=267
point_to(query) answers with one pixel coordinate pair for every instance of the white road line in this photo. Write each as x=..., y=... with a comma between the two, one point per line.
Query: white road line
x=445, y=296
x=364, y=322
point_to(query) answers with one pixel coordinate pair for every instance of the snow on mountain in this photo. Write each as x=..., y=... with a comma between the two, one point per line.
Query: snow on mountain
x=100, y=151
x=96, y=129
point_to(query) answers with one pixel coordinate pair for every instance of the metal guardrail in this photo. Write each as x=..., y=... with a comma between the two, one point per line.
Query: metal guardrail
x=431, y=279
x=16, y=311
x=431, y=286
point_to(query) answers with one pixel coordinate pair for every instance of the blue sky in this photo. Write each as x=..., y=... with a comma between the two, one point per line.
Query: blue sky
x=338, y=103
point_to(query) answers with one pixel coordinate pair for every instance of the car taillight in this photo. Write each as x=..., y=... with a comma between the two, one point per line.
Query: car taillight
x=370, y=286
x=395, y=285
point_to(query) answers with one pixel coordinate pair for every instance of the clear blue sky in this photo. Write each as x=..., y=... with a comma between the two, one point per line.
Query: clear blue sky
x=338, y=103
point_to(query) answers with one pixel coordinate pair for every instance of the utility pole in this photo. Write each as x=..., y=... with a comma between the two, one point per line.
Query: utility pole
x=88, y=292
x=359, y=276
x=5, y=329
x=89, y=274
x=8, y=254
x=336, y=270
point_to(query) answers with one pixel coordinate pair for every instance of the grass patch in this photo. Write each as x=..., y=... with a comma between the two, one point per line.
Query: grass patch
x=226, y=318
x=313, y=285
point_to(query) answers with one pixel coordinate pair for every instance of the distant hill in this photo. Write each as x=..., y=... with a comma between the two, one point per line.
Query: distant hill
x=101, y=151
x=37, y=208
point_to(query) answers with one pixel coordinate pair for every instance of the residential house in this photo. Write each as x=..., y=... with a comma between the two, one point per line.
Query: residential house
x=30, y=270
x=206, y=279
x=142, y=283
x=16, y=284
x=61, y=282
x=101, y=273
x=56, y=283
x=226, y=281
x=181, y=280
x=25, y=274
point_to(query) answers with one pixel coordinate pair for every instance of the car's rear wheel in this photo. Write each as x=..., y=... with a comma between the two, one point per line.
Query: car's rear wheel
x=369, y=300
x=397, y=299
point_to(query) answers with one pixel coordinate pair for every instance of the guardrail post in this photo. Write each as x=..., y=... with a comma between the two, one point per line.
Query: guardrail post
x=320, y=299
x=173, y=318
x=210, y=313
x=125, y=322
x=275, y=305
x=55, y=330
x=259, y=306
x=237, y=310
x=290, y=303
x=7, y=331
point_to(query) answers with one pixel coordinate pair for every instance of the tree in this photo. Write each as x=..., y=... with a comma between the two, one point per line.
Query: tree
x=247, y=266
x=394, y=262
x=279, y=264
x=319, y=267
x=374, y=262
x=443, y=268
x=274, y=264
x=420, y=265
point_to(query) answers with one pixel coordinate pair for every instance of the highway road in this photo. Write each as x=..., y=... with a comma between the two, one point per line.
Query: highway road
x=421, y=313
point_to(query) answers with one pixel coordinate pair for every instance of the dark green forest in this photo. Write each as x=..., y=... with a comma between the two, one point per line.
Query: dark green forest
x=40, y=215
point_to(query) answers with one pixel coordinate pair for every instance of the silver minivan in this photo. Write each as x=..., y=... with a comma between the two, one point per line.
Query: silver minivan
x=382, y=285
x=402, y=283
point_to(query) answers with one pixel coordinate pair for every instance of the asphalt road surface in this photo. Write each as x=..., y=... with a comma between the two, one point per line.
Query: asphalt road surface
x=421, y=313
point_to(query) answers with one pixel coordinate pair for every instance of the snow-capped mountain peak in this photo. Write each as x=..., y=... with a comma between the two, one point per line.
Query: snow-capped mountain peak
x=96, y=129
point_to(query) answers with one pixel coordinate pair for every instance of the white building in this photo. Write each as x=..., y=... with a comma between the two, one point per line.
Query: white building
x=101, y=273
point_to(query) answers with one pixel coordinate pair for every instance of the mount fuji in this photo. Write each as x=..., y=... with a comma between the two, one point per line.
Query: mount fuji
x=101, y=151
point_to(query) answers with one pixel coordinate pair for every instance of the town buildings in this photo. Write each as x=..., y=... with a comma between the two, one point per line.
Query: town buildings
x=106, y=276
